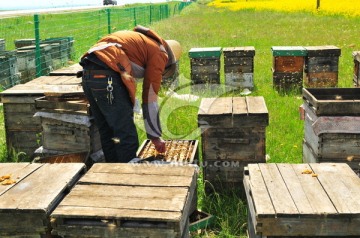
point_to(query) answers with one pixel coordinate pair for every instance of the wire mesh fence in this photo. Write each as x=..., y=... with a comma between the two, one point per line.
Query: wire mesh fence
x=34, y=45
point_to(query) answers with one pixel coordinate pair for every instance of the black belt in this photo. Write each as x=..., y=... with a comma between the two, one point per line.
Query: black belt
x=106, y=72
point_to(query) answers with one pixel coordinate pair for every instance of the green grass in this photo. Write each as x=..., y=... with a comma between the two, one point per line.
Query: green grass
x=201, y=26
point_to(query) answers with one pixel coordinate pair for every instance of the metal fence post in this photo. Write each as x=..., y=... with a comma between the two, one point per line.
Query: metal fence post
x=109, y=20
x=135, y=16
x=167, y=11
x=150, y=13
x=37, y=46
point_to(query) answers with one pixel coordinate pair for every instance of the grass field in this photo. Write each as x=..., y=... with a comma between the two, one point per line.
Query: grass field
x=200, y=25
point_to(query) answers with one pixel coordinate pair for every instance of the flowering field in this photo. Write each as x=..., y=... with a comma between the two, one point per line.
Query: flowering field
x=326, y=7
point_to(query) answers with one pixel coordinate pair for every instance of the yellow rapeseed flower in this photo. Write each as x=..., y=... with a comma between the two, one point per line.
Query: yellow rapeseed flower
x=327, y=7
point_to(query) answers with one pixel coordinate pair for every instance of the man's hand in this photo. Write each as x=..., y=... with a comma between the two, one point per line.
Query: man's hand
x=159, y=144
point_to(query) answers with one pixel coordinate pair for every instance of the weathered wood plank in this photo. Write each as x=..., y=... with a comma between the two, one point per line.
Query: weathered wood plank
x=142, y=169
x=256, y=105
x=310, y=227
x=18, y=171
x=252, y=216
x=121, y=202
x=250, y=112
x=68, y=105
x=279, y=194
x=294, y=184
x=79, y=212
x=31, y=90
x=54, y=80
x=342, y=186
x=135, y=179
x=240, y=106
x=41, y=189
x=10, y=99
x=216, y=106
x=306, y=191
x=129, y=192
x=260, y=197
x=109, y=230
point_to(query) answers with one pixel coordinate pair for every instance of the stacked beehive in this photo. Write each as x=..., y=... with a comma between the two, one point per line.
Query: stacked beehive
x=54, y=54
x=322, y=66
x=233, y=135
x=22, y=129
x=59, y=51
x=356, y=56
x=66, y=124
x=128, y=200
x=332, y=125
x=288, y=66
x=205, y=65
x=26, y=60
x=239, y=66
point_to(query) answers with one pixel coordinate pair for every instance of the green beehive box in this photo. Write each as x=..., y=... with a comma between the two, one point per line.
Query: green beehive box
x=209, y=52
x=288, y=51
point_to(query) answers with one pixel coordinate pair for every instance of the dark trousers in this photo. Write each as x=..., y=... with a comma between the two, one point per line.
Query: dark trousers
x=115, y=120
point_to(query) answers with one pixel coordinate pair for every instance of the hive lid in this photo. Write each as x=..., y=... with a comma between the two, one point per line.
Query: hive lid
x=324, y=50
x=239, y=51
x=228, y=112
x=209, y=52
x=288, y=51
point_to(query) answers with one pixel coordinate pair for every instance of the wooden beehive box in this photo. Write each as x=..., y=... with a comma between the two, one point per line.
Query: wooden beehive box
x=32, y=193
x=302, y=200
x=233, y=134
x=128, y=200
x=332, y=126
x=59, y=51
x=288, y=64
x=239, y=66
x=21, y=127
x=66, y=123
x=177, y=151
x=333, y=101
x=205, y=65
x=69, y=70
x=322, y=66
x=356, y=57
x=26, y=61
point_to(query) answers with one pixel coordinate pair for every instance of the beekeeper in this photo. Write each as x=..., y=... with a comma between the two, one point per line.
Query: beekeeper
x=110, y=70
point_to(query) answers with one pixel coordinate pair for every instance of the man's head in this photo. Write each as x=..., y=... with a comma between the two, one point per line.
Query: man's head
x=174, y=53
